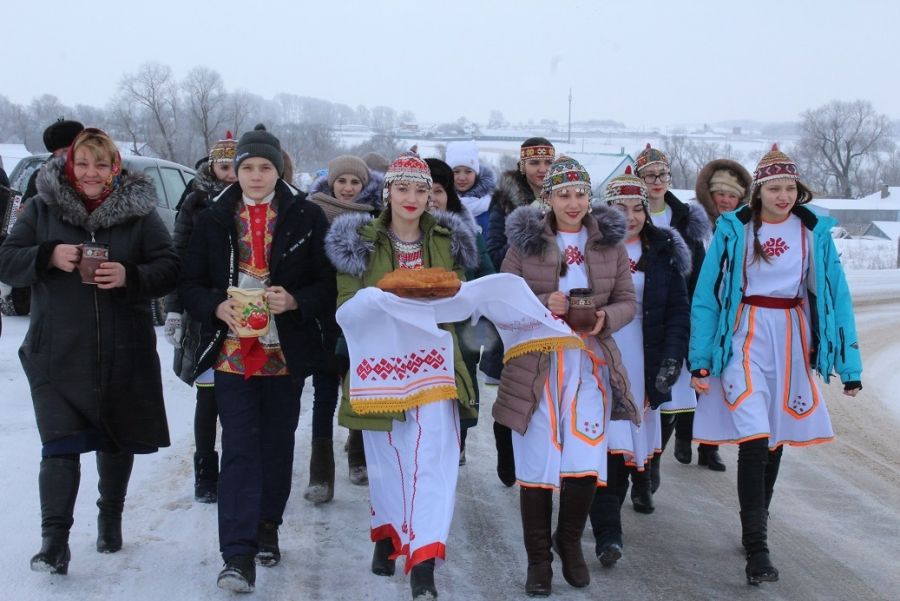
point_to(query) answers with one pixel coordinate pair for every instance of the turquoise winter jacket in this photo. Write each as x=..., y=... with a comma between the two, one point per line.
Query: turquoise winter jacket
x=835, y=348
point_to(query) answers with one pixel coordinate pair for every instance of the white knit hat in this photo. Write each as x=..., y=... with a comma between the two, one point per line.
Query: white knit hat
x=463, y=154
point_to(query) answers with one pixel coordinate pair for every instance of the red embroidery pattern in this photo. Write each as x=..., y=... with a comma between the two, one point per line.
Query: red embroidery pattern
x=401, y=368
x=573, y=255
x=775, y=247
x=633, y=266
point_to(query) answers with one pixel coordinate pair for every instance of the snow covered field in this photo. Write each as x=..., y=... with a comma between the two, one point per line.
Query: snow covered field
x=833, y=529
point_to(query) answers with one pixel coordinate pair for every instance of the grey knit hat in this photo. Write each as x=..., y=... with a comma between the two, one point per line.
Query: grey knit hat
x=259, y=143
x=347, y=164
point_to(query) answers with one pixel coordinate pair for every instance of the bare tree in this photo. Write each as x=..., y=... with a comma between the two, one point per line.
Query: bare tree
x=683, y=173
x=205, y=94
x=238, y=108
x=42, y=111
x=383, y=118
x=153, y=88
x=126, y=121
x=495, y=119
x=837, y=138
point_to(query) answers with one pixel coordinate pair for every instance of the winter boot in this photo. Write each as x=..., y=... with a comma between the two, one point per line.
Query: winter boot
x=575, y=497
x=655, y=475
x=58, y=481
x=683, y=452
x=754, y=538
x=641, y=495
x=114, y=470
x=206, y=477
x=606, y=522
x=321, y=472
x=772, y=467
x=537, y=515
x=268, y=554
x=421, y=580
x=708, y=456
x=238, y=575
x=382, y=564
x=506, y=462
x=356, y=458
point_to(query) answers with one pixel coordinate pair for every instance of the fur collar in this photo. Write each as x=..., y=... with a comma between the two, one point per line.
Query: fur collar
x=351, y=239
x=689, y=218
x=484, y=184
x=132, y=198
x=701, y=188
x=206, y=181
x=660, y=236
x=369, y=195
x=529, y=231
x=513, y=191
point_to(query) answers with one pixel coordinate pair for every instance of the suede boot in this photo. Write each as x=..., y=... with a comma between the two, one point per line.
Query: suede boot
x=575, y=497
x=537, y=521
x=321, y=472
x=356, y=458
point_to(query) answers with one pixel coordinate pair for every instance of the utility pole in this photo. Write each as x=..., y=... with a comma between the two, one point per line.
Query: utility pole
x=569, y=139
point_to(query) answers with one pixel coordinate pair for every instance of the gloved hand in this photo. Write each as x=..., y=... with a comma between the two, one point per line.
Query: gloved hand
x=669, y=370
x=172, y=329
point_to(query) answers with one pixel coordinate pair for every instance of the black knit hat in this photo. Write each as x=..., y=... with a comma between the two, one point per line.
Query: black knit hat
x=61, y=134
x=260, y=143
x=442, y=174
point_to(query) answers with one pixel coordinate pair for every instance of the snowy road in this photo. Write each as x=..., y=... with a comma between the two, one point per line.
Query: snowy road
x=835, y=515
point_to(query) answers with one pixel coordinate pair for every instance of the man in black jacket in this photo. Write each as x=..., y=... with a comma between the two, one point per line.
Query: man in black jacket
x=257, y=235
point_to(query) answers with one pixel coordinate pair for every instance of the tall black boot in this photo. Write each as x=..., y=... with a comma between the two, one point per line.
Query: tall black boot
x=772, y=467
x=754, y=538
x=575, y=497
x=206, y=477
x=536, y=506
x=58, y=482
x=356, y=458
x=382, y=564
x=321, y=472
x=655, y=473
x=708, y=456
x=641, y=493
x=421, y=580
x=606, y=522
x=114, y=470
x=506, y=461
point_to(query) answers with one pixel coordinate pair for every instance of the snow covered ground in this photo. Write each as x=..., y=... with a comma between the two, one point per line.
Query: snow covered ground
x=834, y=524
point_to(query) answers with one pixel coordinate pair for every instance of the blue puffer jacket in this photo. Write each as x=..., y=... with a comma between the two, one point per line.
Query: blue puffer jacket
x=835, y=347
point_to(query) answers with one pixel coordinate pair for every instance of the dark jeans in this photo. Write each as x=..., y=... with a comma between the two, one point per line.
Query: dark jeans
x=259, y=417
x=325, y=398
x=757, y=472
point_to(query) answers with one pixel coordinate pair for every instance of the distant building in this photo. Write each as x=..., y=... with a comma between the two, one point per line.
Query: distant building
x=856, y=215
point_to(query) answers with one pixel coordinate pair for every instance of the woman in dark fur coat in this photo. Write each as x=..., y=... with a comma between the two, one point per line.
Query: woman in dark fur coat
x=90, y=351
x=653, y=345
x=213, y=176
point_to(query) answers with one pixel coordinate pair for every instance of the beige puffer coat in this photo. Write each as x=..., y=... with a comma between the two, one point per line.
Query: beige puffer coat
x=534, y=255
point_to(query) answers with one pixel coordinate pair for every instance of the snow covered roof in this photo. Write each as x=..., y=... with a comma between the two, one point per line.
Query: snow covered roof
x=890, y=229
x=872, y=202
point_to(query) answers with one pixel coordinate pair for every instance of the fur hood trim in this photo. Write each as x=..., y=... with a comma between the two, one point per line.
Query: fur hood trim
x=701, y=189
x=484, y=184
x=350, y=241
x=514, y=191
x=681, y=254
x=528, y=230
x=369, y=195
x=698, y=225
x=206, y=181
x=133, y=197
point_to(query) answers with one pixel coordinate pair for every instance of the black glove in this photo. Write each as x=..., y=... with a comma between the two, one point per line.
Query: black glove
x=669, y=370
x=852, y=384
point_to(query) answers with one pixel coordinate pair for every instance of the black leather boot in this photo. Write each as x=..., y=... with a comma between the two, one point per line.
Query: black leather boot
x=114, y=470
x=683, y=452
x=708, y=456
x=506, y=461
x=58, y=482
x=536, y=506
x=641, y=495
x=606, y=522
x=421, y=580
x=754, y=538
x=382, y=564
x=321, y=472
x=206, y=477
x=575, y=497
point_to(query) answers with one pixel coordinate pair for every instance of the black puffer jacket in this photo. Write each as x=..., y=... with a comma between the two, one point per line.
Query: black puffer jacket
x=666, y=324
x=90, y=354
x=511, y=193
x=298, y=263
x=690, y=220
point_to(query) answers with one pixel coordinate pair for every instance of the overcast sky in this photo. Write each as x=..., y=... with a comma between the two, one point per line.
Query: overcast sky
x=644, y=62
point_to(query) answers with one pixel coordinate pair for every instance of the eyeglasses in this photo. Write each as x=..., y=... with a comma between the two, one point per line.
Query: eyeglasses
x=657, y=177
